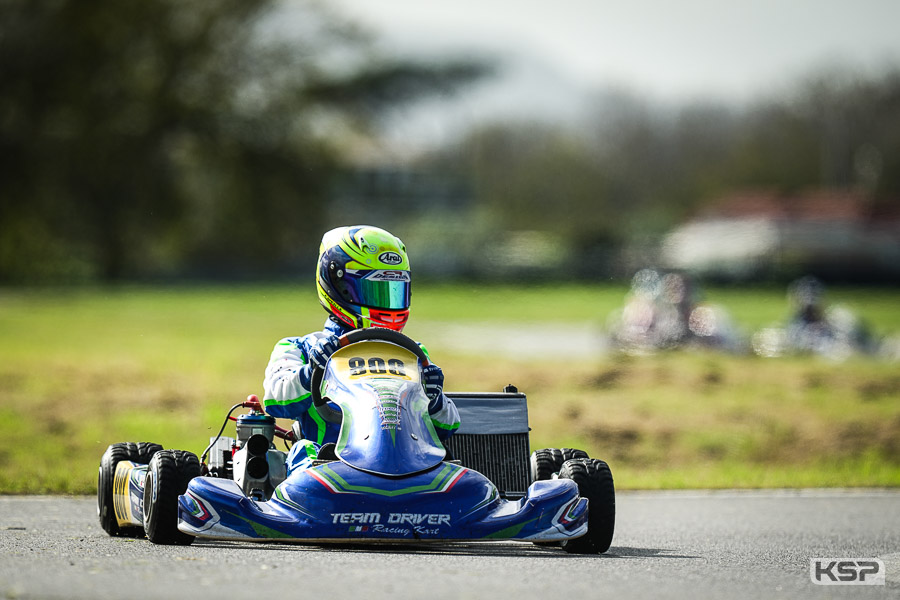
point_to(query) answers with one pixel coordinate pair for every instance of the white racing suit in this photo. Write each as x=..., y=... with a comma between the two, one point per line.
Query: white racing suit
x=287, y=396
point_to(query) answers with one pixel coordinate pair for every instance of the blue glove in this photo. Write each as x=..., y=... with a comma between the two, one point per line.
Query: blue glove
x=433, y=379
x=322, y=351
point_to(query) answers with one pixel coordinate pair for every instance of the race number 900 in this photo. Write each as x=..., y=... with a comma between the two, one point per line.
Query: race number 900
x=360, y=366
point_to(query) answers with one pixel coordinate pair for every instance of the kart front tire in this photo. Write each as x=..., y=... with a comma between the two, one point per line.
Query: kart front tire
x=547, y=461
x=136, y=452
x=167, y=478
x=595, y=482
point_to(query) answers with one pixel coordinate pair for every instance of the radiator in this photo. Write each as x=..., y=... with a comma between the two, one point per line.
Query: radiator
x=501, y=457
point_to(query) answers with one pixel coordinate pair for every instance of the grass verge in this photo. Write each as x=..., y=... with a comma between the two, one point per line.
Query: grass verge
x=80, y=369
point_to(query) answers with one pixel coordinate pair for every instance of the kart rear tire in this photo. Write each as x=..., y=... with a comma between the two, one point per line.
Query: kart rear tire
x=167, y=478
x=547, y=461
x=136, y=452
x=595, y=482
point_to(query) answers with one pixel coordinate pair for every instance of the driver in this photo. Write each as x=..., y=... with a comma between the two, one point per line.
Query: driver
x=363, y=281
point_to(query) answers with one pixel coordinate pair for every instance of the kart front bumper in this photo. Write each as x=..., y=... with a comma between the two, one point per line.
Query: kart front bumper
x=336, y=503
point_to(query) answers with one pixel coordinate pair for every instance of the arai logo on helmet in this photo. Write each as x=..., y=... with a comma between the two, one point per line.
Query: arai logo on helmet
x=390, y=258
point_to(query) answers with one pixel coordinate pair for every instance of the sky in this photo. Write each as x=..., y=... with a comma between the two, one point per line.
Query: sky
x=668, y=50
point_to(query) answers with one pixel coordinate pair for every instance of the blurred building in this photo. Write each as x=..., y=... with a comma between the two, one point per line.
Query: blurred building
x=837, y=235
x=397, y=192
x=435, y=214
x=432, y=212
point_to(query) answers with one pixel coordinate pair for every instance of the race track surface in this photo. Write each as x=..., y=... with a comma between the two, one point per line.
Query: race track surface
x=728, y=544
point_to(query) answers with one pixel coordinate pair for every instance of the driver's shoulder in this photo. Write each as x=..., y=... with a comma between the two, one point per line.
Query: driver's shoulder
x=295, y=343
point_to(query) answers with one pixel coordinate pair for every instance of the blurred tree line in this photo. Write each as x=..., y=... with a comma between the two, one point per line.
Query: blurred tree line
x=635, y=168
x=157, y=137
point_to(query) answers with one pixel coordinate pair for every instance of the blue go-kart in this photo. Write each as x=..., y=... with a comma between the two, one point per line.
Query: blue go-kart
x=388, y=479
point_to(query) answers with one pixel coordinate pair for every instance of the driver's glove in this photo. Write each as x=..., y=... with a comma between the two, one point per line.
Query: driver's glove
x=322, y=351
x=433, y=378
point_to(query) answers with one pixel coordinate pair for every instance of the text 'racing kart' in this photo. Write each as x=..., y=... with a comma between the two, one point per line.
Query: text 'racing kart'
x=387, y=479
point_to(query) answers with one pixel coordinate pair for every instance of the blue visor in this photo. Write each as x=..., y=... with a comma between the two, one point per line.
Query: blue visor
x=377, y=289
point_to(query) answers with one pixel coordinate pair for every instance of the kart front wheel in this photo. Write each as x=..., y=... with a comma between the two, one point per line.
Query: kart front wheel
x=167, y=478
x=595, y=482
x=545, y=463
x=136, y=452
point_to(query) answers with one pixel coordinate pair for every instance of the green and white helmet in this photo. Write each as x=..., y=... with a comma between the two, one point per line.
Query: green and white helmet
x=363, y=277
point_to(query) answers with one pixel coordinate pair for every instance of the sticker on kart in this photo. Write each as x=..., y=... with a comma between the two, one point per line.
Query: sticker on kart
x=375, y=360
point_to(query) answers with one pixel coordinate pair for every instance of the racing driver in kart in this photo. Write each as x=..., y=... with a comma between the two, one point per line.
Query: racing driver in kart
x=363, y=281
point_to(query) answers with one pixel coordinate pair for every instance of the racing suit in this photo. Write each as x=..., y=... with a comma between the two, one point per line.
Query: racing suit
x=287, y=395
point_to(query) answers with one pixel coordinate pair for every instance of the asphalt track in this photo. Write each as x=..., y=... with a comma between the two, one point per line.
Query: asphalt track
x=728, y=544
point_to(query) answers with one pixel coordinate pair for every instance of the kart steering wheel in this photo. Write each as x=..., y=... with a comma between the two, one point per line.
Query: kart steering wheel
x=351, y=337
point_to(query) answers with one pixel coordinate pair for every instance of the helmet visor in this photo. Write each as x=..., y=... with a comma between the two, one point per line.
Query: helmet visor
x=378, y=289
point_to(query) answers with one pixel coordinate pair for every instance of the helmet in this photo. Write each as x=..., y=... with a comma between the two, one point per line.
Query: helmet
x=363, y=277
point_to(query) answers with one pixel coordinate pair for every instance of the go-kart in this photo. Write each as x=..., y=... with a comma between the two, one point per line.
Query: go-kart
x=387, y=479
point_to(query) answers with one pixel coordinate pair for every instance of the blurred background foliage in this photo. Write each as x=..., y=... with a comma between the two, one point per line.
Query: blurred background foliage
x=162, y=138
x=172, y=140
x=634, y=169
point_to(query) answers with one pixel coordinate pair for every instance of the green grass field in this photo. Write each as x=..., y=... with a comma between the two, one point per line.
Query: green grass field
x=82, y=368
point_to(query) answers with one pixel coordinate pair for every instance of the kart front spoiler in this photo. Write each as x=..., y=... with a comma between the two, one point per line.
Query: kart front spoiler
x=334, y=502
